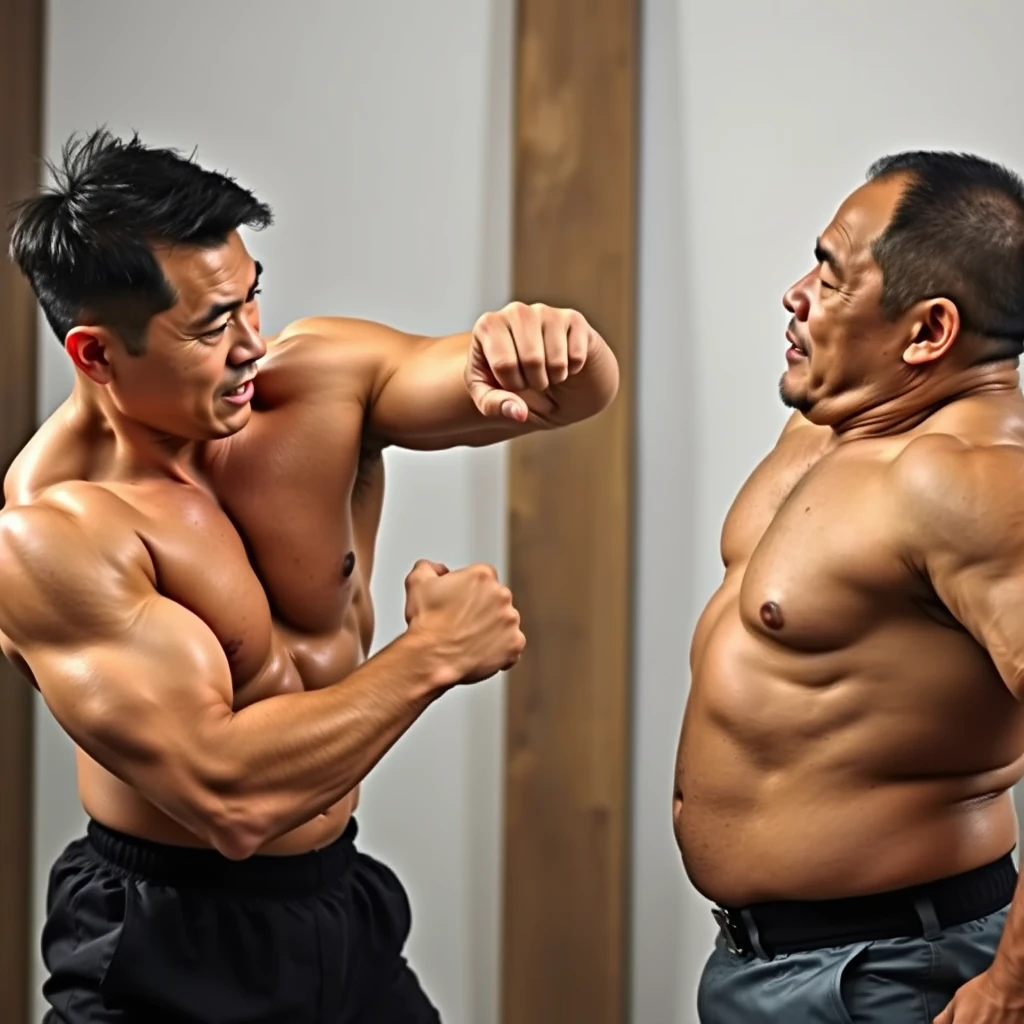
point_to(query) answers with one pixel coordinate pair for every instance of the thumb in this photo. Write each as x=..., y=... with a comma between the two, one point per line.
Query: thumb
x=497, y=404
x=946, y=1017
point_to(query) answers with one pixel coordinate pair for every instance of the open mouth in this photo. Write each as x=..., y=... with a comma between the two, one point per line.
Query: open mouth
x=796, y=351
x=241, y=394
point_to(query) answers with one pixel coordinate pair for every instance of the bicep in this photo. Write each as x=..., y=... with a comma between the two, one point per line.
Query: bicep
x=986, y=596
x=140, y=696
x=147, y=705
x=136, y=680
x=961, y=510
x=411, y=388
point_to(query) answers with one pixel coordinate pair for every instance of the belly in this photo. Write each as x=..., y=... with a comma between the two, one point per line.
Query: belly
x=295, y=663
x=850, y=771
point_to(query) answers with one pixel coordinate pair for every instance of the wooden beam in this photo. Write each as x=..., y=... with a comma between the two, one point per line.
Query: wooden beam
x=21, y=71
x=566, y=853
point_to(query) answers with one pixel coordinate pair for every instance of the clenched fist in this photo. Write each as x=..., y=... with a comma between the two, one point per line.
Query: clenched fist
x=467, y=616
x=525, y=348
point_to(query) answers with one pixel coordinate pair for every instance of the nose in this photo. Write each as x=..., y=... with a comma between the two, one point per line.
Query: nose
x=249, y=345
x=797, y=298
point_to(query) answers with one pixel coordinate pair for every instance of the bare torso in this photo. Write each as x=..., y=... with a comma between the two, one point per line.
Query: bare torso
x=271, y=545
x=844, y=734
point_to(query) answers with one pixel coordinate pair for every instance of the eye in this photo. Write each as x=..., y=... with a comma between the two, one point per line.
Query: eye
x=251, y=297
x=215, y=333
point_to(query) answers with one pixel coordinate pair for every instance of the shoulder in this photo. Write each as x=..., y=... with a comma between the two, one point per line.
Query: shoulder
x=64, y=552
x=331, y=354
x=952, y=493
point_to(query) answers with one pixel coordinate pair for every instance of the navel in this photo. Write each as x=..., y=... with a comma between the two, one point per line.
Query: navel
x=231, y=649
x=771, y=615
x=348, y=565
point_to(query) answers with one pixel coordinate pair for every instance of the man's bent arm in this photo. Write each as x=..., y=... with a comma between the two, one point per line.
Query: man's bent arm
x=963, y=512
x=418, y=396
x=144, y=688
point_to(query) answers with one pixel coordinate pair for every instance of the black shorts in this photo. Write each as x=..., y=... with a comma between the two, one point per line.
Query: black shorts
x=143, y=933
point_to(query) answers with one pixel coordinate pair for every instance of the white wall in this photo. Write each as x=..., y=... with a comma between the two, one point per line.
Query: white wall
x=757, y=120
x=380, y=132
x=384, y=148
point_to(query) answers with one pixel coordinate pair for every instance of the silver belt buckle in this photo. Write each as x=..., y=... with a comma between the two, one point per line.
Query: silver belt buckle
x=730, y=932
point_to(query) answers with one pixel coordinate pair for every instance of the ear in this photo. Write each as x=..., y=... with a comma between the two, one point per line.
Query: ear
x=934, y=326
x=89, y=348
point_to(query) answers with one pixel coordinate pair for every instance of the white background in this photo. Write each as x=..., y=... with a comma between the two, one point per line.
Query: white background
x=380, y=132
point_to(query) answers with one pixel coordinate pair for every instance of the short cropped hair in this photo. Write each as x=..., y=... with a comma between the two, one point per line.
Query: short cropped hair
x=86, y=242
x=957, y=233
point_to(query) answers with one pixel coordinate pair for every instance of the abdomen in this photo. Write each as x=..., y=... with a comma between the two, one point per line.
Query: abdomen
x=830, y=774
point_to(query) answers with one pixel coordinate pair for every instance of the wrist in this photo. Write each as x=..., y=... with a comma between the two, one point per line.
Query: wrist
x=1007, y=974
x=431, y=673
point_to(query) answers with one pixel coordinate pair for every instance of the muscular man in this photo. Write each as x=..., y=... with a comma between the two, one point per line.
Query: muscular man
x=854, y=722
x=185, y=562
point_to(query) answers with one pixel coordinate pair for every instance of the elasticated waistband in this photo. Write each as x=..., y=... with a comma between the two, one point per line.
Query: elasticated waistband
x=289, y=876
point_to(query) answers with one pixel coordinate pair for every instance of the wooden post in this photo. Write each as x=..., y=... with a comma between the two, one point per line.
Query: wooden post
x=566, y=853
x=21, y=73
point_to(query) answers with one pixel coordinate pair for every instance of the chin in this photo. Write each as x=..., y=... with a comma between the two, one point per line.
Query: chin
x=793, y=395
x=233, y=422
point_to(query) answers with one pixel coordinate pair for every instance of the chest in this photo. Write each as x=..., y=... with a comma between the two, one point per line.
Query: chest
x=279, y=583
x=814, y=552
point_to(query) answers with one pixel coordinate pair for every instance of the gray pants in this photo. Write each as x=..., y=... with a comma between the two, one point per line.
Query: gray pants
x=892, y=981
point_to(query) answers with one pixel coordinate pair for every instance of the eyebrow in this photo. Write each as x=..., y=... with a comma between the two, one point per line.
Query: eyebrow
x=825, y=255
x=218, y=309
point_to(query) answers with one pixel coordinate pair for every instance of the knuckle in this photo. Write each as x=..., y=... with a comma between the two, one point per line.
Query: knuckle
x=516, y=313
x=504, y=364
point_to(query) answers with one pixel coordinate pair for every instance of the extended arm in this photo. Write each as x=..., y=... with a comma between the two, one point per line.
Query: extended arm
x=143, y=687
x=432, y=393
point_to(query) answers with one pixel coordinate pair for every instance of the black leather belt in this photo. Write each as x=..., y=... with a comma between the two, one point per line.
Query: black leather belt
x=793, y=926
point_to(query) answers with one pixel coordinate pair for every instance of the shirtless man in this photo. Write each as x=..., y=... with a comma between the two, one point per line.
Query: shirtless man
x=185, y=560
x=854, y=723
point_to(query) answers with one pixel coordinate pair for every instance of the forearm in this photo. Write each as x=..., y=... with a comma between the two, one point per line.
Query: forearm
x=281, y=761
x=426, y=404
x=1008, y=967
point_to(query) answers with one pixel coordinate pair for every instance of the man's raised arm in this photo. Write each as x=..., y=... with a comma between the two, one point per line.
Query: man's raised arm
x=521, y=369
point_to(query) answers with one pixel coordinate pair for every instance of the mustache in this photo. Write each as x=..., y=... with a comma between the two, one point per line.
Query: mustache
x=245, y=373
x=794, y=335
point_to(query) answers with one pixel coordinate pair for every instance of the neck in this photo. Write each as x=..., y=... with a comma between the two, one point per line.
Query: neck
x=138, y=451
x=902, y=412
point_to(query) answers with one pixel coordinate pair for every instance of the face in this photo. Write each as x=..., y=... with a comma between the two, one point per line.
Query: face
x=844, y=356
x=193, y=380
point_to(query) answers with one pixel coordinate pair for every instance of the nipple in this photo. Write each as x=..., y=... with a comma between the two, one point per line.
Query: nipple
x=771, y=615
x=348, y=565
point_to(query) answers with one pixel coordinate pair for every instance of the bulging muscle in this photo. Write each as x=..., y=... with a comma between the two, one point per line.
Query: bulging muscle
x=271, y=546
x=833, y=701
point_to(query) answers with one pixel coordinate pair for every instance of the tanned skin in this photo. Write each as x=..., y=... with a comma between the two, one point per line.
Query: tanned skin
x=185, y=575
x=854, y=722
